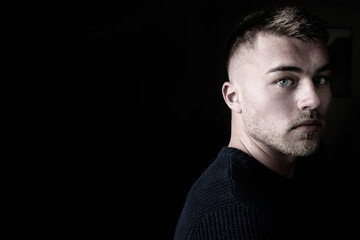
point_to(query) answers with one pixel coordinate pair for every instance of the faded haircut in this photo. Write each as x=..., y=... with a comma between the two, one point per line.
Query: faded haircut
x=294, y=22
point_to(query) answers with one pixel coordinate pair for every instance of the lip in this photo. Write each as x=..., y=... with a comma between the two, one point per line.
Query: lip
x=308, y=126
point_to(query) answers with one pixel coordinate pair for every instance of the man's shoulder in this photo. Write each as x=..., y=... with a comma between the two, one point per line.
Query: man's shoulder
x=214, y=188
x=212, y=199
x=212, y=191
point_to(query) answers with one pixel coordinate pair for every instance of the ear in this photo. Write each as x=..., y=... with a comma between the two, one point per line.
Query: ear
x=231, y=97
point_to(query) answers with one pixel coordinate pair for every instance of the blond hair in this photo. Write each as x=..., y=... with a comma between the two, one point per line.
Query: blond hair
x=294, y=22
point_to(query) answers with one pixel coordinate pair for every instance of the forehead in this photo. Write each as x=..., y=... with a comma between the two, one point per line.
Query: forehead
x=250, y=62
x=269, y=50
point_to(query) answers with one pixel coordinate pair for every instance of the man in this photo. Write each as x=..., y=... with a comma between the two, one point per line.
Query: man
x=278, y=93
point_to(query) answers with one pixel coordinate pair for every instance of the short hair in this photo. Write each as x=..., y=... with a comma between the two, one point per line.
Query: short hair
x=290, y=21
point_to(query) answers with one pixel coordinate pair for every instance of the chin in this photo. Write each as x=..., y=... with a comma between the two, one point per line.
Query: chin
x=305, y=148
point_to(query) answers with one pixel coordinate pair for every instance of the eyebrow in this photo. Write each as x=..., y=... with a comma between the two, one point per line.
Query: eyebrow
x=284, y=68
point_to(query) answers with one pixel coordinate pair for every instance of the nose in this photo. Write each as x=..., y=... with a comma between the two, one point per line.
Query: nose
x=308, y=97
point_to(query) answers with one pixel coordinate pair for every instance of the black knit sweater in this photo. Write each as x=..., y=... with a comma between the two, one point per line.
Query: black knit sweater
x=239, y=198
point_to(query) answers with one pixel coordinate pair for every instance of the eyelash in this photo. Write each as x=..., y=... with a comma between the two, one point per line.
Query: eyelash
x=294, y=81
x=326, y=80
x=284, y=79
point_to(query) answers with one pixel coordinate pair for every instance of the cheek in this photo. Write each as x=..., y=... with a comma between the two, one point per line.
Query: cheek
x=269, y=99
x=270, y=110
x=262, y=104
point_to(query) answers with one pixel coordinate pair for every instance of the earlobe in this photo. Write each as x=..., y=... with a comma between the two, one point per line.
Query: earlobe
x=231, y=97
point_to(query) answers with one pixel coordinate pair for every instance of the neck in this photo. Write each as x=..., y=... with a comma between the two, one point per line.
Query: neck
x=280, y=163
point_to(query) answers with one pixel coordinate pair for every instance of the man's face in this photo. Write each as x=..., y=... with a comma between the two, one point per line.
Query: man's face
x=284, y=93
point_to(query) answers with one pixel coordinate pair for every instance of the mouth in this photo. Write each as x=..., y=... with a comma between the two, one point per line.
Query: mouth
x=308, y=126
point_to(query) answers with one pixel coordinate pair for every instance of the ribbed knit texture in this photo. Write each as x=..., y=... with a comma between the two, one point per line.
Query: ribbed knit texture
x=230, y=223
x=238, y=198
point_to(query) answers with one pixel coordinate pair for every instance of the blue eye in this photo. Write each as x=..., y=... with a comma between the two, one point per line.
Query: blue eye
x=320, y=80
x=285, y=82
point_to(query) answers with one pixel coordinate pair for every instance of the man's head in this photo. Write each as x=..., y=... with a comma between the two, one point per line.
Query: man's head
x=278, y=67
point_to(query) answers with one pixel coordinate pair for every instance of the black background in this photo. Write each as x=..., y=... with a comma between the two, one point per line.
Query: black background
x=155, y=71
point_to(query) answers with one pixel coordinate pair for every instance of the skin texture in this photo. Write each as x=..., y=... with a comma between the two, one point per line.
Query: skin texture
x=278, y=95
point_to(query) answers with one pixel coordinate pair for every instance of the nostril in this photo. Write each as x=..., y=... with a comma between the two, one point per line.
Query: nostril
x=308, y=99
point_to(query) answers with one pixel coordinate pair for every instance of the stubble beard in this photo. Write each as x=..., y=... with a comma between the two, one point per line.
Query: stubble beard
x=306, y=145
x=288, y=142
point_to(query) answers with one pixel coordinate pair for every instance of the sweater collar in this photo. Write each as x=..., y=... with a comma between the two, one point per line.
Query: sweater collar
x=252, y=179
